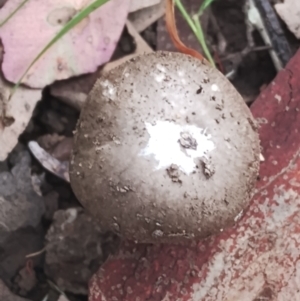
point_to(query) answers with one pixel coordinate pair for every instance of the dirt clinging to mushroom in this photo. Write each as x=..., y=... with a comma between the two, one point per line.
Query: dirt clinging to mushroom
x=161, y=119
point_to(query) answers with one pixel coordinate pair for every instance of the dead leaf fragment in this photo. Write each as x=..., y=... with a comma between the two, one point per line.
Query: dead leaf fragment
x=85, y=47
x=57, y=146
x=14, y=114
x=141, y=48
x=75, y=90
x=143, y=18
x=138, y=4
x=56, y=167
x=25, y=280
x=7, y=295
x=289, y=12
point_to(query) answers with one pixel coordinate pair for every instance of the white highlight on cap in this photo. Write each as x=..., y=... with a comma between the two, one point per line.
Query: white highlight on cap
x=159, y=77
x=160, y=68
x=164, y=145
x=214, y=88
x=109, y=90
x=261, y=158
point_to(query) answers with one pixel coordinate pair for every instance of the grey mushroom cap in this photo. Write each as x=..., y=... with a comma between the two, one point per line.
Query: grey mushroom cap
x=165, y=150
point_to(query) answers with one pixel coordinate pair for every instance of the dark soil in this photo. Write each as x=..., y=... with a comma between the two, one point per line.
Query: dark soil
x=256, y=68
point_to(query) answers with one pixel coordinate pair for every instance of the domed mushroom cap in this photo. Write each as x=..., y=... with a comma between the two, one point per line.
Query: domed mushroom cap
x=165, y=150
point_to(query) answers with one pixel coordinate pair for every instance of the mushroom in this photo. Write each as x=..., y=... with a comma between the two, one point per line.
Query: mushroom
x=165, y=150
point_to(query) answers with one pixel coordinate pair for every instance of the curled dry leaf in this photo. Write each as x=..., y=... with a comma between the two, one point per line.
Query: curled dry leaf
x=56, y=167
x=258, y=259
x=85, y=47
x=289, y=12
x=58, y=146
x=14, y=114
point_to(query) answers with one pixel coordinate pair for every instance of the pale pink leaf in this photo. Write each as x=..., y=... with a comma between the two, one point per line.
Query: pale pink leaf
x=85, y=47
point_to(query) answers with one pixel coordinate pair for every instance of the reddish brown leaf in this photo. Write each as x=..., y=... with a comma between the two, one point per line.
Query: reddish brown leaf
x=171, y=26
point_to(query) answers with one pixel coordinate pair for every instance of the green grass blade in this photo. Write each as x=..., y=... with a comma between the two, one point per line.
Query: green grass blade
x=204, y=6
x=12, y=13
x=74, y=21
x=195, y=25
x=203, y=41
x=185, y=15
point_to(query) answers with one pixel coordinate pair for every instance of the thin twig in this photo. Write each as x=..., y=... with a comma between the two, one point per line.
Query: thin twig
x=55, y=287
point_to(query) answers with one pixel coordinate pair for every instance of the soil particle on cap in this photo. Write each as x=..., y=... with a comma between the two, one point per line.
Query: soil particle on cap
x=187, y=141
x=123, y=189
x=199, y=90
x=220, y=107
x=173, y=172
x=116, y=227
x=208, y=167
x=253, y=124
x=157, y=233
